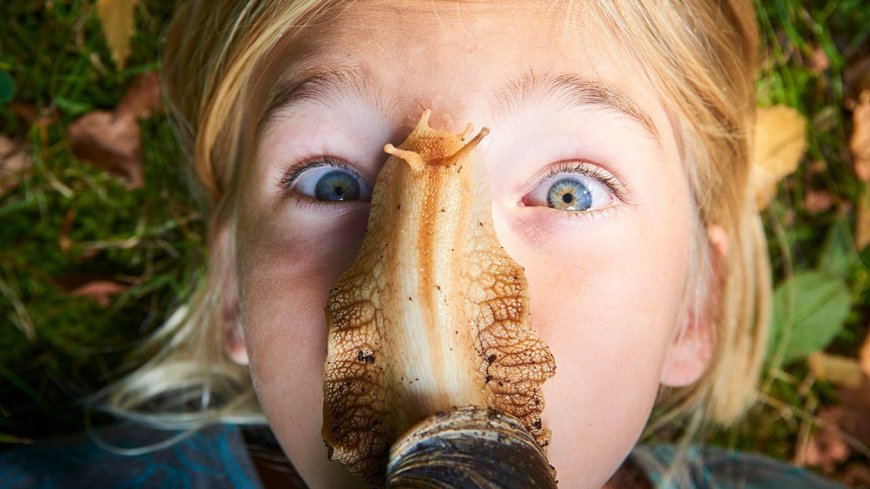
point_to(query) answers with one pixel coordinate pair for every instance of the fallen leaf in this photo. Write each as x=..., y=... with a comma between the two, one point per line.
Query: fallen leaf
x=842, y=371
x=864, y=355
x=825, y=449
x=14, y=160
x=856, y=406
x=110, y=142
x=117, y=17
x=100, y=290
x=816, y=201
x=828, y=447
x=780, y=142
x=142, y=98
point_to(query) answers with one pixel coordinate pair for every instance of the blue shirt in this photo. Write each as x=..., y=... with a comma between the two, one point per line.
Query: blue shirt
x=217, y=457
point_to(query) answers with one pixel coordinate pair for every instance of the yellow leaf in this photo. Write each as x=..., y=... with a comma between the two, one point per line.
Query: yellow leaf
x=838, y=370
x=117, y=18
x=780, y=142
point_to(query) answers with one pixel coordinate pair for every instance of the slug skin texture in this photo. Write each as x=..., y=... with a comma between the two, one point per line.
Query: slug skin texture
x=433, y=315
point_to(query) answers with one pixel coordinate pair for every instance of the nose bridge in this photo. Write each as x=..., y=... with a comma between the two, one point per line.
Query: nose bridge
x=452, y=102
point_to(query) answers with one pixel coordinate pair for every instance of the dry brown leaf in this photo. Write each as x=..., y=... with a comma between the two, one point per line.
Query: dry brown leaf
x=864, y=356
x=816, y=201
x=100, y=290
x=842, y=425
x=780, y=142
x=842, y=371
x=142, y=98
x=117, y=17
x=862, y=220
x=110, y=142
x=14, y=160
x=825, y=450
x=856, y=404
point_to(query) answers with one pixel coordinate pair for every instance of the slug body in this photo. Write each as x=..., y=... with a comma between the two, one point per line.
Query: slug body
x=433, y=314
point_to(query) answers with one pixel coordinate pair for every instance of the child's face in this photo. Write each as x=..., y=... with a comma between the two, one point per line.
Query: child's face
x=606, y=284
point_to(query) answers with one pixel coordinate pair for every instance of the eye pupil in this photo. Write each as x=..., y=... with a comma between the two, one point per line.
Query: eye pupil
x=567, y=198
x=337, y=186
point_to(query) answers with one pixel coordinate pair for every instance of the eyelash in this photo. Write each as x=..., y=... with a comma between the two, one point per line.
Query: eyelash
x=293, y=170
x=589, y=169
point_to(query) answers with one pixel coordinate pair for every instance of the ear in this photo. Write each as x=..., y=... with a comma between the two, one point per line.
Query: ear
x=691, y=350
x=223, y=263
x=234, y=340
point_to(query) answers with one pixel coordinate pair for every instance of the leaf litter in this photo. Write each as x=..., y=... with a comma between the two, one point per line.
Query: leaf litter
x=112, y=140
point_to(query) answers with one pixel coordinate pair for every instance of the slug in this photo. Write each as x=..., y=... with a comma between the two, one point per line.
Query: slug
x=433, y=315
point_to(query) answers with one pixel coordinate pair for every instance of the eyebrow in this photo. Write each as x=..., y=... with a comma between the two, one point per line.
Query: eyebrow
x=570, y=90
x=324, y=86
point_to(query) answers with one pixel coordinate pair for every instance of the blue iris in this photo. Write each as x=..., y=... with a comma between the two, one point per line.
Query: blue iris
x=569, y=195
x=337, y=186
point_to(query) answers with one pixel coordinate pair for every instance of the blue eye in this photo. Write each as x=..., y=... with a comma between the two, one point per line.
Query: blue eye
x=569, y=194
x=329, y=183
x=336, y=185
x=575, y=188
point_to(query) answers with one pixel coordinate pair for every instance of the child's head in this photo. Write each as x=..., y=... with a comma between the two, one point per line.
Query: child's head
x=639, y=113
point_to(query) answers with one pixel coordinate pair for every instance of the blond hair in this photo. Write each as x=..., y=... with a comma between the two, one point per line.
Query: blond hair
x=700, y=56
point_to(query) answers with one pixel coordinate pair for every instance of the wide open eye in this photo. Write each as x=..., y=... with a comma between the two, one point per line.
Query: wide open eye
x=576, y=188
x=328, y=182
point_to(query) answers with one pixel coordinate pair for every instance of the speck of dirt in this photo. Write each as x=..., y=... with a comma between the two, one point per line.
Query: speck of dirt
x=363, y=357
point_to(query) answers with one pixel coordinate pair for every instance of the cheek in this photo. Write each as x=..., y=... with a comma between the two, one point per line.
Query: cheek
x=285, y=273
x=605, y=297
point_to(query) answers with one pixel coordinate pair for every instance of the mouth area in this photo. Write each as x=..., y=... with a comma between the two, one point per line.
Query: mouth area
x=432, y=317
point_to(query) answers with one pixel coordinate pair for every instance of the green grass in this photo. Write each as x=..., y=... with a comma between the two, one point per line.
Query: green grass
x=151, y=238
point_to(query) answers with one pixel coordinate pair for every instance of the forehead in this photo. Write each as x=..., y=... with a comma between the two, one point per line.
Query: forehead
x=463, y=58
x=442, y=43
